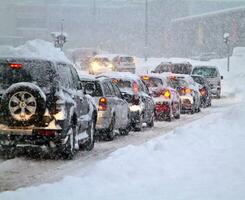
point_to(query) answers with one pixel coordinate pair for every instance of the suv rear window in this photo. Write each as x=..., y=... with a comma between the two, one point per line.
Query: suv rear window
x=98, y=91
x=127, y=59
x=181, y=69
x=198, y=79
x=205, y=71
x=38, y=72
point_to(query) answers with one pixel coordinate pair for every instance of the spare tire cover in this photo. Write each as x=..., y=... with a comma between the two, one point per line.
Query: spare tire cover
x=23, y=104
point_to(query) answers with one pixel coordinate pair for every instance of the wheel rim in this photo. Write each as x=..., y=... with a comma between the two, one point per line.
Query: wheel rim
x=22, y=106
x=92, y=133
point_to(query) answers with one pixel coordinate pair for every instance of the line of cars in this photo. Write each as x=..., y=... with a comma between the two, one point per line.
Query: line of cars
x=49, y=106
x=112, y=62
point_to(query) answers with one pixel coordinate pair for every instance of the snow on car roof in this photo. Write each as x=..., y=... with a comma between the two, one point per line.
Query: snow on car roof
x=35, y=49
x=121, y=75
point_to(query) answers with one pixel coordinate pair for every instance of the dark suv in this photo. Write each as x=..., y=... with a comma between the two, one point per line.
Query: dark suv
x=42, y=107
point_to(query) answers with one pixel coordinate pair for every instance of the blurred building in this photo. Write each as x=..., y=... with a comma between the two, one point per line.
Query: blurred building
x=113, y=25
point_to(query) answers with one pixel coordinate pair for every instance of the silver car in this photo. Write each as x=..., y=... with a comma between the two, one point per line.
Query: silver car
x=213, y=77
x=113, y=110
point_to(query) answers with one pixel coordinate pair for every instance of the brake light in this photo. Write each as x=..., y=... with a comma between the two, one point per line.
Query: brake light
x=203, y=91
x=15, y=65
x=47, y=133
x=135, y=88
x=167, y=94
x=102, y=104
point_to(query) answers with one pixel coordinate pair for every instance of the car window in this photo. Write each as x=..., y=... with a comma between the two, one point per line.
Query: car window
x=106, y=89
x=163, y=68
x=40, y=72
x=181, y=68
x=117, y=91
x=75, y=77
x=205, y=71
x=153, y=82
x=112, y=92
x=98, y=90
x=66, y=75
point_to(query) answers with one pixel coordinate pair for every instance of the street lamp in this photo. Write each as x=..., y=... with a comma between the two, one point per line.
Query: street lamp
x=60, y=38
x=226, y=38
x=146, y=30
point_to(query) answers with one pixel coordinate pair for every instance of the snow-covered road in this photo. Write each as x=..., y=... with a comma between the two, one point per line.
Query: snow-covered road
x=23, y=172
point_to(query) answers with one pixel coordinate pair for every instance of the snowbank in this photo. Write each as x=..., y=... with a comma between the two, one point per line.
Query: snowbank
x=34, y=49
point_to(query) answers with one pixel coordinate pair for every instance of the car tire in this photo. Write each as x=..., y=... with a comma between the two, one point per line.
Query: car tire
x=110, y=132
x=69, y=148
x=125, y=131
x=31, y=90
x=89, y=145
x=151, y=123
x=138, y=126
x=177, y=114
x=8, y=152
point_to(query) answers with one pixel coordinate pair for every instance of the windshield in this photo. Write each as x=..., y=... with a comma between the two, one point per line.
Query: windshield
x=176, y=83
x=198, y=79
x=163, y=68
x=153, y=82
x=181, y=69
x=122, y=83
x=38, y=72
x=97, y=92
x=127, y=59
x=206, y=72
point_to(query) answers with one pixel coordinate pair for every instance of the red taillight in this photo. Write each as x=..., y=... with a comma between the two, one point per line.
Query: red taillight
x=102, y=104
x=203, y=91
x=15, y=65
x=135, y=88
x=47, y=133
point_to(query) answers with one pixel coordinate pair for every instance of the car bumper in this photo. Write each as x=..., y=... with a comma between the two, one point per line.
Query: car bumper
x=162, y=108
x=186, y=102
x=216, y=91
x=103, y=120
x=135, y=117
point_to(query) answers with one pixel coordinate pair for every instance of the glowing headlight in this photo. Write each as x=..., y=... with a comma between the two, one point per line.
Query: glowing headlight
x=95, y=66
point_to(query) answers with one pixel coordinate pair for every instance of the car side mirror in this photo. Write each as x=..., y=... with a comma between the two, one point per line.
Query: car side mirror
x=221, y=77
x=89, y=88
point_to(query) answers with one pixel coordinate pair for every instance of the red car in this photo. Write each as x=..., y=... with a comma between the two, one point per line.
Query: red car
x=166, y=99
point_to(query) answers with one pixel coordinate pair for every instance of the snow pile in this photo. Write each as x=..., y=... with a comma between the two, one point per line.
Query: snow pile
x=34, y=49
